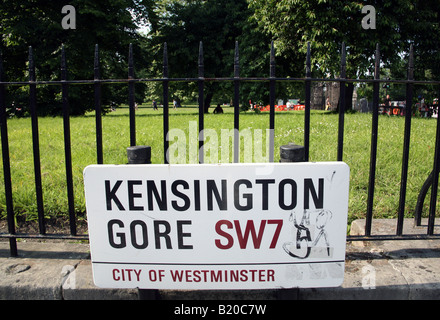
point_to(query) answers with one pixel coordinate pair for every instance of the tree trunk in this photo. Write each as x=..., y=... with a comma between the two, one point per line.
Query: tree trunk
x=207, y=102
x=349, y=96
x=349, y=88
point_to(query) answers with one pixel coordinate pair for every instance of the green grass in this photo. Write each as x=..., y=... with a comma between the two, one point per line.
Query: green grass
x=289, y=126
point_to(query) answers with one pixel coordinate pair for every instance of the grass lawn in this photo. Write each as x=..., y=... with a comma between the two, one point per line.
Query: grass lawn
x=289, y=126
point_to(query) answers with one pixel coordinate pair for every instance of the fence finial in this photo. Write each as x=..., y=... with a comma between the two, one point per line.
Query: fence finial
x=96, y=62
x=63, y=64
x=31, y=65
x=201, y=66
x=308, y=63
x=130, y=62
x=377, y=63
x=1, y=66
x=411, y=63
x=272, y=60
x=236, y=61
x=165, y=60
x=343, y=61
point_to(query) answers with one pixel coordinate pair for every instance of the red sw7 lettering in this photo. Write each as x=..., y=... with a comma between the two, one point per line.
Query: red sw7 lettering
x=249, y=230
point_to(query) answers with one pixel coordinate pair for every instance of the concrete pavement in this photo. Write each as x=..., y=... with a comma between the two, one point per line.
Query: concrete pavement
x=401, y=269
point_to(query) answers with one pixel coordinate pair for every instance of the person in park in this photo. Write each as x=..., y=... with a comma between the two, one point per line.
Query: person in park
x=154, y=105
x=218, y=109
x=328, y=105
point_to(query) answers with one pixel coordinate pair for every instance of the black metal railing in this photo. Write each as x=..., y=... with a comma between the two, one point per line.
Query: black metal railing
x=33, y=83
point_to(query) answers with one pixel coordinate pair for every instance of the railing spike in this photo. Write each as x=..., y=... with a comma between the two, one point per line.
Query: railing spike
x=236, y=61
x=201, y=66
x=96, y=62
x=63, y=64
x=31, y=65
x=377, y=62
x=411, y=63
x=308, y=62
x=343, y=61
x=1, y=66
x=272, y=60
x=130, y=62
x=165, y=60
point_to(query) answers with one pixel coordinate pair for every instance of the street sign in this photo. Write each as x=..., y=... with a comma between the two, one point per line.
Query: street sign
x=221, y=226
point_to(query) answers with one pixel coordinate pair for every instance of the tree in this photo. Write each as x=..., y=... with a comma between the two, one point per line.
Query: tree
x=326, y=24
x=37, y=23
x=183, y=24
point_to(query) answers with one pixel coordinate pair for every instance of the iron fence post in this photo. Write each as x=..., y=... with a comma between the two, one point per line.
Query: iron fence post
x=131, y=96
x=290, y=153
x=341, y=104
x=201, y=69
x=236, y=104
x=373, y=152
x=406, y=142
x=308, y=84
x=98, y=117
x=435, y=173
x=272, y=104
x=36, y=143
x=165, y=104
x=7, y=166
x=67, y=144
x=142, y=155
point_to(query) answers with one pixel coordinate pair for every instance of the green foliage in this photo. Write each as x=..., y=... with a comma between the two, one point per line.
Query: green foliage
x=183, y=24
x=38, y=24
x=326, y=24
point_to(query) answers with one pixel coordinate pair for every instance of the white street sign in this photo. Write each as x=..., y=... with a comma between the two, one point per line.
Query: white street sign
x=228, y=226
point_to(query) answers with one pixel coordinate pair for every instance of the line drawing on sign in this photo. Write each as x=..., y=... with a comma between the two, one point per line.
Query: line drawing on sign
x=303, y=243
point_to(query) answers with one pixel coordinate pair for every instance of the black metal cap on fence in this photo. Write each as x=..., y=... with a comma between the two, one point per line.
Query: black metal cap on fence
x=292, y=153
x=142, y=155
x=139, y=155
